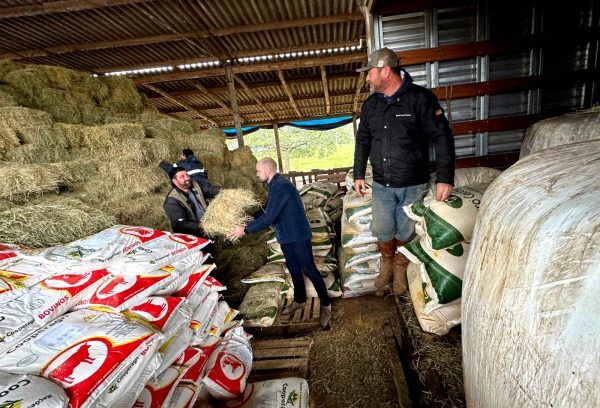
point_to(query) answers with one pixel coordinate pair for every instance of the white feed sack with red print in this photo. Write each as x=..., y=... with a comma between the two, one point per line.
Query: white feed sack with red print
x=105, y=246
x=83, y=351
x=172, y=347
x=157, y=393
x=197, y=287
x=158, y=253
x=30, y=391
x=166, y=313
x=135, y=388
x=273, y=393
x=8, y=253
x=184, y=269
x=120, y=389
x=204, y=314
x=223, y=315
x=229, y=365
x=120, y=292
x=43, y=302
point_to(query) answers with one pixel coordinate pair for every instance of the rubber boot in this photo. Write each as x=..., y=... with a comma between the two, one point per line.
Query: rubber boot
x=325, y=318
x=386, y=273
x=400, y=264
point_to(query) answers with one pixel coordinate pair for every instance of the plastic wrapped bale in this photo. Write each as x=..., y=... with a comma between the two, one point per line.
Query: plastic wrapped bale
x=531, y=332
x=358, y=271
x=440, y=320
x=570, y=128
x=261, y=304
x=317, y=194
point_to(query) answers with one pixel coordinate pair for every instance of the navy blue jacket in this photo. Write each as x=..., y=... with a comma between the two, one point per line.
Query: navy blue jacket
x=285, y=212
x=196, y=171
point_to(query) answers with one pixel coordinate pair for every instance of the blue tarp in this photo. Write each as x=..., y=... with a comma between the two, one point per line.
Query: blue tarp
x=313, y=124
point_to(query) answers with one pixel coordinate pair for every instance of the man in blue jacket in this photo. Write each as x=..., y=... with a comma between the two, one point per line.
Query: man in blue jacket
x=285, y=212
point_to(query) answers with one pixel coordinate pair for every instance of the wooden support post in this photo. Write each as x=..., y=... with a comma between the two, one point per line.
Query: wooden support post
x=354, y=124
x=277, y=146
x=234, y=106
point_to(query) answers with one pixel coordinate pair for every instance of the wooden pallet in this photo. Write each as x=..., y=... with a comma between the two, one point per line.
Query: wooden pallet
x=302, y=320
x=282, y=358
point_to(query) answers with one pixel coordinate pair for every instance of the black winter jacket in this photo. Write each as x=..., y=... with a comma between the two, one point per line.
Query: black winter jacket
x=180, y=211
x=396, y=136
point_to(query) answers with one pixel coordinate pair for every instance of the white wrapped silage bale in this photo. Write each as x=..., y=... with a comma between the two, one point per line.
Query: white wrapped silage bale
x=570, y=128
x=531, y=332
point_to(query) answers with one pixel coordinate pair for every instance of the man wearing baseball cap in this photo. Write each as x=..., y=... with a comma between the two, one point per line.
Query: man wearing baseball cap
x=398, y=121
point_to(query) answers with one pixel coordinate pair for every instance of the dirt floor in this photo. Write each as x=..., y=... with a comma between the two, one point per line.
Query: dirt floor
x=349, y=365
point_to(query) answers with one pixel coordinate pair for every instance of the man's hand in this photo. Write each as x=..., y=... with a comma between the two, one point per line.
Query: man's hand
x=237, y=233
x=442, y=191
x=360, y=187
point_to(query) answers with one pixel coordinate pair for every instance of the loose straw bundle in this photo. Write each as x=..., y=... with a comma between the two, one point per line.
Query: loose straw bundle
x=228, y=210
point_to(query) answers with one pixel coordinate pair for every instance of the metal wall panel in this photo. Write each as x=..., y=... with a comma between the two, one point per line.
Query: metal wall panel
x=508, y=104
x=505, y=142
x=403, y=32
x=510, y=65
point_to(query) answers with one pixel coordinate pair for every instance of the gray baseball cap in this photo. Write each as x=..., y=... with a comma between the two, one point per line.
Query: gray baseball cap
x=381, y=58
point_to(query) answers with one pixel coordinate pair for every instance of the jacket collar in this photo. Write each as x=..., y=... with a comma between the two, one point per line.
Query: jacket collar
x=406, y=81
x=275, y=177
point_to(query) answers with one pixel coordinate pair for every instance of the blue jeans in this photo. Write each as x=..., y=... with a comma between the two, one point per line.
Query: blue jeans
x=299, y=259
x=389, y=220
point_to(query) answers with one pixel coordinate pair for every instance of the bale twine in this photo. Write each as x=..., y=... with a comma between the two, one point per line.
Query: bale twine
x=531, y=284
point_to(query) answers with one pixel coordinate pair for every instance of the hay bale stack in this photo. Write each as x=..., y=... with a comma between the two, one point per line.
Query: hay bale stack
x=123, y=97
x=6, y=99
x=8, y=140
x=18, y=182
x=53, y=223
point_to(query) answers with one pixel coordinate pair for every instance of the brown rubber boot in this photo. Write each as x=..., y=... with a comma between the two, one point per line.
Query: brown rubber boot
x=387, y=249
x=399, y=267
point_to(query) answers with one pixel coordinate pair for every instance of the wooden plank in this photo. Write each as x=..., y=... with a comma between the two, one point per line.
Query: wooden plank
x=63, y=6
x=325, y=89
x=280, y=343
x=254, y=96
x=290, y=363
x=276, y=374
x=288, y=92
x=259, y=354
x=308, y=62
x=494, y=125
x=234, y=106
x=277, y=146
x=404, y=399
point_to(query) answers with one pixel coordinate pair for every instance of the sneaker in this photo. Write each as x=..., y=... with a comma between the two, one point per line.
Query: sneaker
x=292, y=308
x=325, y=317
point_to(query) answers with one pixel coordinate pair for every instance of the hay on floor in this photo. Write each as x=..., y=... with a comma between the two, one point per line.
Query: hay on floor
x=434, y=356
x=43, y=225
x=228, y=210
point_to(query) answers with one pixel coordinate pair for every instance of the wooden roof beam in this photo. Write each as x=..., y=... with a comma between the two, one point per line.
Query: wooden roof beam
x=61, y=7
x=288, y=91
x=254, y=96
x=266, y=84
x=198, y=34
x=256, y=67
x=211, y=96
x=359, y=86
x=325, y=89
x=180, y=103
x=267, y=101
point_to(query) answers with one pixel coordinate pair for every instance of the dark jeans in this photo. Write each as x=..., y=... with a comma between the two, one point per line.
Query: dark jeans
x=299, y=259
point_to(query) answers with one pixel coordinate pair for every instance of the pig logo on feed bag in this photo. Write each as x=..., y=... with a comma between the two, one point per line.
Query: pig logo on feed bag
x=152, y=309
x=77, y=363
x=115, y=286
x=67, y=280
x=232, y=367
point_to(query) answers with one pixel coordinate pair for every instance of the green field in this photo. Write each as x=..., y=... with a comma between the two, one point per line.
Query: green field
x=343, y=156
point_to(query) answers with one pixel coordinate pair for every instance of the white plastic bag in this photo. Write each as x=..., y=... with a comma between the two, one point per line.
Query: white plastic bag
x=30, y=391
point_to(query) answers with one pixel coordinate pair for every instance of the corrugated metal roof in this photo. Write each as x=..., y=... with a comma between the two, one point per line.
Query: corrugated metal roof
x=138, y=34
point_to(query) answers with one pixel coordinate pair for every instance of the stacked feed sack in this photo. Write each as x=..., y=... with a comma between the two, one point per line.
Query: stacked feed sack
x=531, y=332
x=71, y=169
x=359, y=256
x=439, y=253
x=128, y=314
x=324, y=195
